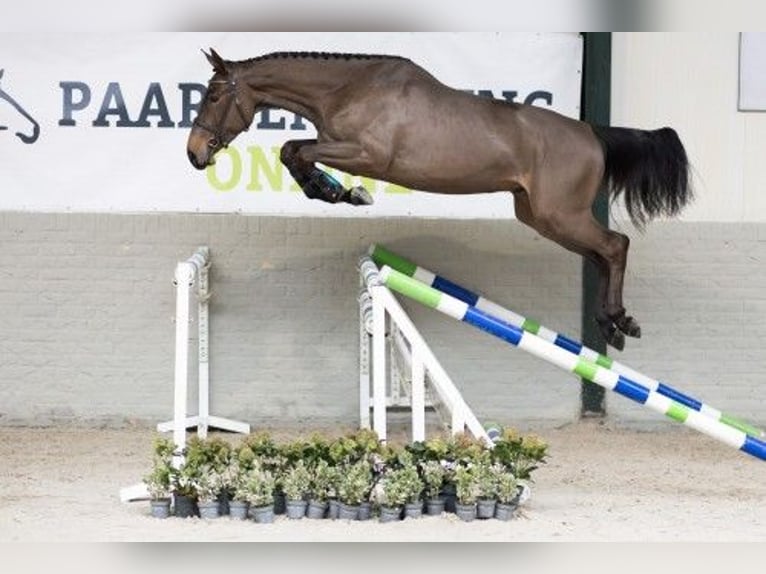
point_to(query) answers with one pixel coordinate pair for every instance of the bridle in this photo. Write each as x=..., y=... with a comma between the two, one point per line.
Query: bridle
x=219, y=136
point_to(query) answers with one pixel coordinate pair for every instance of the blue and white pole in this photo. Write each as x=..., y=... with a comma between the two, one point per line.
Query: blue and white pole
x=570, y=362
x=382, y=256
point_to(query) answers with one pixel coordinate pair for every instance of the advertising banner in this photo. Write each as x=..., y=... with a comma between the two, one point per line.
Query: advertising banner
x=99, y=123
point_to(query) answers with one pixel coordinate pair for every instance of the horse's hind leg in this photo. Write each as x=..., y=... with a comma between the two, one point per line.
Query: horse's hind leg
x=314, y=182
x=583, y=231
x=608, y=329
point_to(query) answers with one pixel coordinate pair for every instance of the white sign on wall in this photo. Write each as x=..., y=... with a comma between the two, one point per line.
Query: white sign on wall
x=752, y=71
x=98, y=123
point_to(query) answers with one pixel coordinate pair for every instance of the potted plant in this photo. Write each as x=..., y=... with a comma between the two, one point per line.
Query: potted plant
x=413, y=488
x=296, y=482
x=354, y=483
x=185, y=490
x=393, y=494
x=520, y=455
x=434, y=473
x=466, y=492
x=259, y=487
x=208, y=488
x=486, y=484
x=231, y=478
x=159, y=481
x=507, y=493
x=261, y=447
x=322, y=478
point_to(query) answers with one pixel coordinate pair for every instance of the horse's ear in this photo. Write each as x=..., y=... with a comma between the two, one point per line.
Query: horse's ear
x=1, y=72
x=216, y=61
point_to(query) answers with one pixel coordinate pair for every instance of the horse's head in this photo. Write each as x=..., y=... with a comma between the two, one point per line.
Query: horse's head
x=222, y=115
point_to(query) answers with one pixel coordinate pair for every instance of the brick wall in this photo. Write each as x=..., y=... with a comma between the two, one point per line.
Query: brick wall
x=87, y=306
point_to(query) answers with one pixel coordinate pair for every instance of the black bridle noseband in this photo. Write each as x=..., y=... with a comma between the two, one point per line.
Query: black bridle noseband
x=219, y=136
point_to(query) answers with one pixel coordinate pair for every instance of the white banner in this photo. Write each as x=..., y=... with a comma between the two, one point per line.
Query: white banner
x=98, y=123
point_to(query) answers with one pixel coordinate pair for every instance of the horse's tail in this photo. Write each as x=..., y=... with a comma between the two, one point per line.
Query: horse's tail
x=649, y=167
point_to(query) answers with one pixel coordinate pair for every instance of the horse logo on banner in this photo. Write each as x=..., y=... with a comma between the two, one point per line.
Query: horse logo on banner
x=27, y=138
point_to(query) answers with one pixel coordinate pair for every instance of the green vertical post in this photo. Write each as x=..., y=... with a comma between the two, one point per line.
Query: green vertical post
x=595, y=104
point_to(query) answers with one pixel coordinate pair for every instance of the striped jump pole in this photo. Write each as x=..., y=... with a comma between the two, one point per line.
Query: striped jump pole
x=569, y=361
x=383, y=256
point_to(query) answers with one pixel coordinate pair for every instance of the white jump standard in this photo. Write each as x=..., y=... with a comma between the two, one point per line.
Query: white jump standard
x=188, y=273
x=570, y=361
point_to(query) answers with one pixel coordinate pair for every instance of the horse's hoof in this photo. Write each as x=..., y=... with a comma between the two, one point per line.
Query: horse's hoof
x=617, y=340
x=359, y=196
x=611, y=334
x=629, y=326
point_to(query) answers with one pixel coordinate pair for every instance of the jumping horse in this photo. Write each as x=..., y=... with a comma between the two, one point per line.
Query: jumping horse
x=386, y=118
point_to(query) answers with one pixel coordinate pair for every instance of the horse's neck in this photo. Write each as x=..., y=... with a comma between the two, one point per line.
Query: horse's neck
x=298, y=85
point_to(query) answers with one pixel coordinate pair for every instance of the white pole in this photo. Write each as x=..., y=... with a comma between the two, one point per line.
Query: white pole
x=183, y=277
x=365, y=332
x=378, y=364
x=203, y=341
x=418, y=396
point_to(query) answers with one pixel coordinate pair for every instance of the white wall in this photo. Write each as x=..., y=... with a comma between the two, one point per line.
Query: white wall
x=689, y=81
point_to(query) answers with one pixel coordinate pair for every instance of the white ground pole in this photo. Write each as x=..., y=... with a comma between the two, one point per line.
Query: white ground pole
x=195, y=270
x=376, y=308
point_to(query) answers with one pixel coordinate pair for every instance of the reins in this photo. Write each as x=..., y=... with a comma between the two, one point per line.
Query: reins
x=219, y=135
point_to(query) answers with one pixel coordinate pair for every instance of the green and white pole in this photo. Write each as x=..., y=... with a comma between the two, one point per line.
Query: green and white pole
x=569, y=361
x=382, y=256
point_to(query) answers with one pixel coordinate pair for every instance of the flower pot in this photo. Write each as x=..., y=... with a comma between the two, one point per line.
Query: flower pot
x=504, y=511
x=333, y=509
x=348, y=511
x=365, y=511
x=435, y=506
x=390, y=514
x=209, y=509
x=413, y=510
x=296, y=509
x=262, y=514
x=223, y=503
x=485, y=508
x=160, y=508
x=238, y=509
x=465, y=512
x=280, y=503
x=185, y=506
x=450, y=498
x=316, y=509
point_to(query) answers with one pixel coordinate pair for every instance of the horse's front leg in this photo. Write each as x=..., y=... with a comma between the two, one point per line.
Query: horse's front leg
x=300, y=157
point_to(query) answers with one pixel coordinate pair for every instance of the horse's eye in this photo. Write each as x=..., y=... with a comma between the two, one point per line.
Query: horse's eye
x=214, y=98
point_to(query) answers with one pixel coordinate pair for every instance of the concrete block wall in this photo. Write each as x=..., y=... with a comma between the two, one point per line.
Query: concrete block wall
x=87, y=303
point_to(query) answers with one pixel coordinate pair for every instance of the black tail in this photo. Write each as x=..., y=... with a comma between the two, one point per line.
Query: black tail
x=649, y=167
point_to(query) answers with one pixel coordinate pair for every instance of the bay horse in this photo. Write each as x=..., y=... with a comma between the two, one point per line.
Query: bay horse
x=385, y=117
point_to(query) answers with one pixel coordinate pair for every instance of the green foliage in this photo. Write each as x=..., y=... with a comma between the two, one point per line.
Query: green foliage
x=520, y=455
x=207, y=483
x=296, y=481
x=401, y=486
x=259, y=485
x=259, y=448
x=507, y=485
x=466, y=484
x=486, y=480
x=355, y=482
x=347, y=467
x=159, y=482
x=323, y=480
x=434, y=474
x=354, y=447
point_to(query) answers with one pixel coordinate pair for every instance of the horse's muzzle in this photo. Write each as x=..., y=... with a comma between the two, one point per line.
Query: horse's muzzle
x=195, y=161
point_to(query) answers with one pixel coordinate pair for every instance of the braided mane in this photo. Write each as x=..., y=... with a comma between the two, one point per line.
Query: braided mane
x=322, y=56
